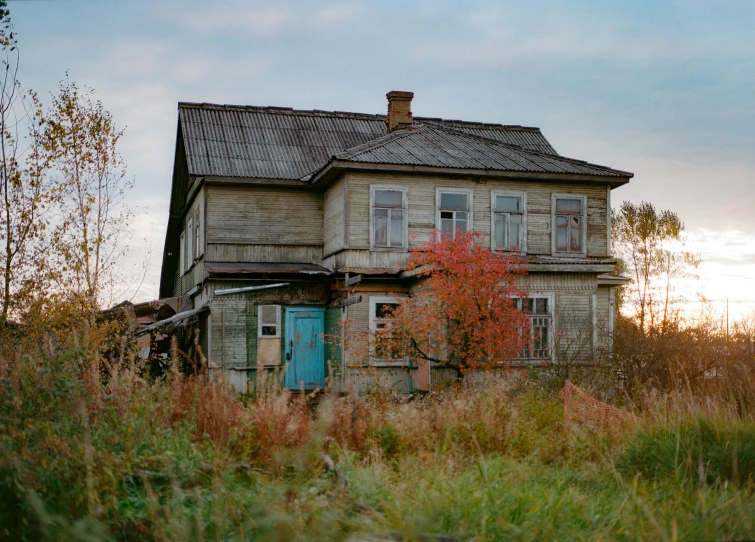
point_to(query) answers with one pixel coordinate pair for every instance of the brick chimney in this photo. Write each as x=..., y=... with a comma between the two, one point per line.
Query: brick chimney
x=399, y=110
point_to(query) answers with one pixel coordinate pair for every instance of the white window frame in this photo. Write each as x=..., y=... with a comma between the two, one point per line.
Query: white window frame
x=582, y=197
x=551, y=297
x=196, y=238
x=470, y=202
x=523, y=232
x=381, y=362
x=182, y=253
x=277, y=322
x=405, y=206
x=190, y=245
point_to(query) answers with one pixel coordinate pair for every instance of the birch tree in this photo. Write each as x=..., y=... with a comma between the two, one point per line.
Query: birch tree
x=25, y=191
x=651, y=244
x=92, y=232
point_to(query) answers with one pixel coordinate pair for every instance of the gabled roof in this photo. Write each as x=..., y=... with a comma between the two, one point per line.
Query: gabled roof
x=283, y=143
x=435, y=145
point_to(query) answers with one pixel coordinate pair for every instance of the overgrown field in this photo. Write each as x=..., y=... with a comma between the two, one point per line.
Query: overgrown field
x=86, y=455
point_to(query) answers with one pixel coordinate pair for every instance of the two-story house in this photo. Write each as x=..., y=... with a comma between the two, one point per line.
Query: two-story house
x=288, y=224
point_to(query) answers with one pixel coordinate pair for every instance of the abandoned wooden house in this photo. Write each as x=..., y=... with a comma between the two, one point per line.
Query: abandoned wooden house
x=284, y=224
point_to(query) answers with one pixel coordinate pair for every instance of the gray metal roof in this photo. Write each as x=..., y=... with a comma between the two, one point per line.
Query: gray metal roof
x=438, y=146
x=283, y=143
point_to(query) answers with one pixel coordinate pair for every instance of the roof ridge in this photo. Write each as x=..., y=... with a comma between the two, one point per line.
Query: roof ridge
x=277, y=109
x=375, y=143
x=323, y=112
x=529, y=151
x=476, y=124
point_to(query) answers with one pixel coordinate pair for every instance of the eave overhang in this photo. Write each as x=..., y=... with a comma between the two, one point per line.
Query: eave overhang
x=336, y=167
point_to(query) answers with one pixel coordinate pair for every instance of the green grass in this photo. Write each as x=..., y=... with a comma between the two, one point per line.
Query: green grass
x=90, y=458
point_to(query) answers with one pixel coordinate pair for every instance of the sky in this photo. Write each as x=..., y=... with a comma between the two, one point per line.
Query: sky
x=665, y=90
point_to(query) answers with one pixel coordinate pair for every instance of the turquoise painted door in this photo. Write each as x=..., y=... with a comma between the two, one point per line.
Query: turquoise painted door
x=305, y=351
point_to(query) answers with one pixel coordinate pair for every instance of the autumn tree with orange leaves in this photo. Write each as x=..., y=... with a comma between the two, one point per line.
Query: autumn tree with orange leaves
x=462, y=315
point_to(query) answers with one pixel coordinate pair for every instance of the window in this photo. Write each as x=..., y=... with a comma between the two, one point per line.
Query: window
x=197, y=247
x=182, y=253
x=509, y=225
x=388, y=224
x=540, y=311
x=569, y=224
x=190, y=243
x=454, y=212
x=384, y=347
x=269, y=321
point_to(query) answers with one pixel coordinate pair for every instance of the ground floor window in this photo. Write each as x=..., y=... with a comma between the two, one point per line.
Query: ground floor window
x=384, y=345
x=540, y=311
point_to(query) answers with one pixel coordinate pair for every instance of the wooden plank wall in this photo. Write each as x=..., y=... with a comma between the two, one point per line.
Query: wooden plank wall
x=228, y=332
x=264, y=215
x=333, y=218
x=421, y=203
x=263, y=253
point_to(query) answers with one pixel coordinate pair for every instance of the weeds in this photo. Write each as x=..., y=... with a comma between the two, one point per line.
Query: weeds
x=87, y=455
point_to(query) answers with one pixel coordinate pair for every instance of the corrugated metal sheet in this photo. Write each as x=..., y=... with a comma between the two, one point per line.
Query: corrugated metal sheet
x=281, y=143
x=433, y=145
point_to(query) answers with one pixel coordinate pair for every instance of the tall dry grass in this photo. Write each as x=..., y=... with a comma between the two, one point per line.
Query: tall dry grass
x=95, y=449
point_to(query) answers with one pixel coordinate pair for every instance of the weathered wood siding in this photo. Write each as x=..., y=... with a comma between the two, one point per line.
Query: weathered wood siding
x=263, y=253
x=194, y=273
x=233, y=321
x=334, y=219
x=259, y=216
x=553, y=282
x=421, y=197
x=228, y=332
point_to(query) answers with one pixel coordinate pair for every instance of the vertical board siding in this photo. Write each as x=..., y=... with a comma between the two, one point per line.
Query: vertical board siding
x=333, y=217
x=573, y=321
x=357, y=330
x=333, y=338
x=229, y=325
x=263, y=215
x=251, y=333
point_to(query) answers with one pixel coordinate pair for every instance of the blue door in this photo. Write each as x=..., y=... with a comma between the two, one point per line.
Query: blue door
x=305, y=351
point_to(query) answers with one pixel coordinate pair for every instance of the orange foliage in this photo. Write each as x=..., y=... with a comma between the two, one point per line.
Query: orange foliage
x=463, y=302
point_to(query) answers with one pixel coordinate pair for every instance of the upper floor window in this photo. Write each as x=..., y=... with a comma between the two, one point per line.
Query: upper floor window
x=509, y=220
x=182, y=254
x=454, y=211
x=197, y=245
x=569, y=218
x=388, y=223
x=190, y=243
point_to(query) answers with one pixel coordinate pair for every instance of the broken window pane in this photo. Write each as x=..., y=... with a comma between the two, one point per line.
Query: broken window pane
x=268, y=315
x=575, y=244
x=385, y=310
